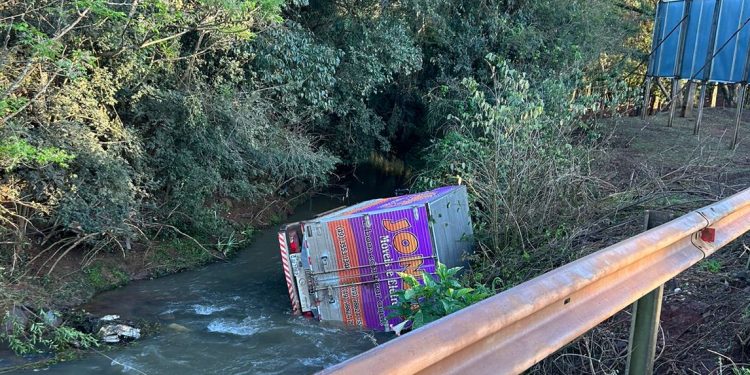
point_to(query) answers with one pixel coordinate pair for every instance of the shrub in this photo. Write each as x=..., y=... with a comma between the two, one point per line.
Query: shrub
x=113, y=130
x=434, y=298
x=524, y=154
x=40, y=336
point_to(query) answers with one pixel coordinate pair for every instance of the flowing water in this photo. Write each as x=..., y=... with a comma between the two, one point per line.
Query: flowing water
x=229, y=318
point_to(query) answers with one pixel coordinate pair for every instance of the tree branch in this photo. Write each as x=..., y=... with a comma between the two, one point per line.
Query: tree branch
x=64, y=31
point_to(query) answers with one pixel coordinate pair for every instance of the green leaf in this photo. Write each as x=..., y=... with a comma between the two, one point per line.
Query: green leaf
x=428, y=280
x=463, y=292
x=408, y=279
x=409, y=294
x=418, y=319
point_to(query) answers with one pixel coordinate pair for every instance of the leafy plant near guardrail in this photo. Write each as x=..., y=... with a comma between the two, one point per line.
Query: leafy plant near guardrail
x=435, y=297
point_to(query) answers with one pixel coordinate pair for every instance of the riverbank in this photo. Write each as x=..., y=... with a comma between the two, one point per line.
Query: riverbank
x=79, y=276
x=72, y=288
x=238, y=309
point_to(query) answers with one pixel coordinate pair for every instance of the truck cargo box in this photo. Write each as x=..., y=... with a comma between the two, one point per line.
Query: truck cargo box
x=343, y=265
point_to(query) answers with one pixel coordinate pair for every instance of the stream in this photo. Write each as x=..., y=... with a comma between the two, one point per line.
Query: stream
x=231, y=317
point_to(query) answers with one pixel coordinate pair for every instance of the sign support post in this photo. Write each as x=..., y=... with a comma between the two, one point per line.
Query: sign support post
x=646, y=99
x=701, y=104
x=678, y=62
x=740, y=105
x=673, y=102
x=687, y=106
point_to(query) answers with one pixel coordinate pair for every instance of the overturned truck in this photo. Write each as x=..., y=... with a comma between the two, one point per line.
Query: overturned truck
x=343, y=265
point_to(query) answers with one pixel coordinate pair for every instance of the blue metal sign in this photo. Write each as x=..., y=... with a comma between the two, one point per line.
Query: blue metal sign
x=697, y=39
x=694, y=29
x=667, y=32
x=732, y=37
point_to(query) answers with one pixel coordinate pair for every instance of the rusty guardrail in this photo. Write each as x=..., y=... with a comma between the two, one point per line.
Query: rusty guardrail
x=513, y=330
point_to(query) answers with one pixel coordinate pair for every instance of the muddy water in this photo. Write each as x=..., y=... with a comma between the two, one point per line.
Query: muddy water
x=230, y=318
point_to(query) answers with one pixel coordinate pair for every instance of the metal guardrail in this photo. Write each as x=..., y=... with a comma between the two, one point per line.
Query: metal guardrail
x=513, y=330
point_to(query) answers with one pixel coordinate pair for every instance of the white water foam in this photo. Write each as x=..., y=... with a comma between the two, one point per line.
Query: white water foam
x=246, y=327
x=208, y=310
x=127, y=364
x=313, y=362
x=325, y=360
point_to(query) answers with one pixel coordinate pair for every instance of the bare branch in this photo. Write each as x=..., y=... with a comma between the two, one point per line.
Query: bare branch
x=64, y=31
x=168, y=38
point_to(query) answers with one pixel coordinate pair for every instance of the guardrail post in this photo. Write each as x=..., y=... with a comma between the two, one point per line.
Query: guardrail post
x=644, y=326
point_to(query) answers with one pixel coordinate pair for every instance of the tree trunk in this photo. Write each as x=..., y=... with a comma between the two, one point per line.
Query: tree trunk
x=689, y=101
x=714, y=95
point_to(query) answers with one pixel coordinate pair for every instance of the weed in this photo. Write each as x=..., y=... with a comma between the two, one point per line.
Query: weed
x=177, y=255
x=711, y=265
x=248, y=233
x=228, y=246
x=95, y=277
x=102, y=277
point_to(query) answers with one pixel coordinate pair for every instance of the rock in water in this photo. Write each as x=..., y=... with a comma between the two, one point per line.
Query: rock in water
x=52, y=318
x=111, y=339
x=114, y=333
x=179, y=328
x=109, y=318
x=15, y=317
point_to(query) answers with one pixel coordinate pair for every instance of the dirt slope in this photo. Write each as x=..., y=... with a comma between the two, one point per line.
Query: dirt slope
x=705, y=321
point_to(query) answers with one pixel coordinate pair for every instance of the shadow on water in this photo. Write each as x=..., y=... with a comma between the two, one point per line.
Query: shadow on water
x=232, y=317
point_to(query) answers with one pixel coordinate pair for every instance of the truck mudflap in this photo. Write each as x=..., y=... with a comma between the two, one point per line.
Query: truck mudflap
x=286, y=264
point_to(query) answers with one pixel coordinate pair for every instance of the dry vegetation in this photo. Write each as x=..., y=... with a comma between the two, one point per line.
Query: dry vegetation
x=706, y=310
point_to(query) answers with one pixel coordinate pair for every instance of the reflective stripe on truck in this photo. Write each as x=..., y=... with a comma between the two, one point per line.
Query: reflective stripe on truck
x=288, y=275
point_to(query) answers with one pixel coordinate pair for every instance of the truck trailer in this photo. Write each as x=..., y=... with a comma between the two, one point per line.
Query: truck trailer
x=343, y=265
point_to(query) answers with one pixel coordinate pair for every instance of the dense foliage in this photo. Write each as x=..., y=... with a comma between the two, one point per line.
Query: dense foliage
x=525, y=154
x=433, y=297
x=121, y=119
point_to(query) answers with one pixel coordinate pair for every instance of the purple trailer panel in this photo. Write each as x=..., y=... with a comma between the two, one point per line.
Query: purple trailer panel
x=403, y=240
x=401, y=201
